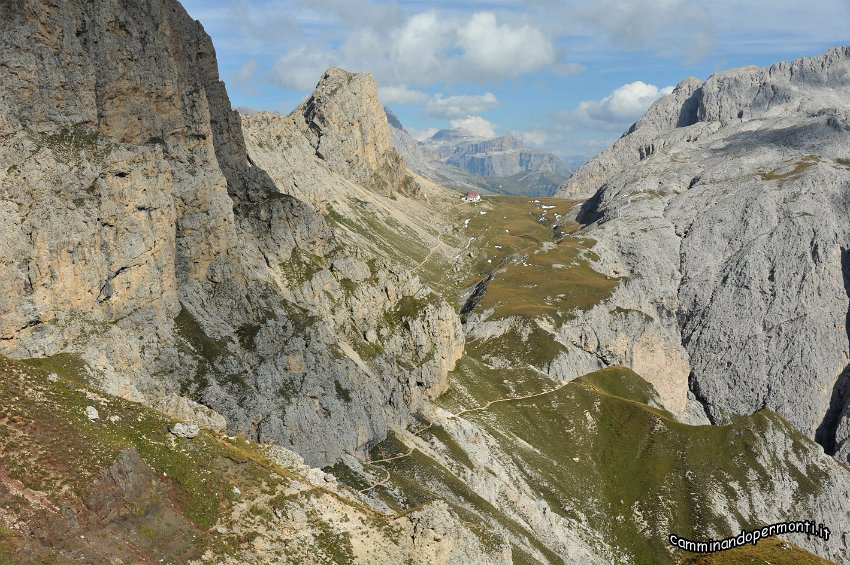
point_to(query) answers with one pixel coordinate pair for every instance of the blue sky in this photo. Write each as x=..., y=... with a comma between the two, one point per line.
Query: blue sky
x=567, y=76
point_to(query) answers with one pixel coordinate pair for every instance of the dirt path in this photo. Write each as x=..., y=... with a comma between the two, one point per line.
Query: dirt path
x=510, y=398
x=433, y=249
x=393, y=458
x=410, y=450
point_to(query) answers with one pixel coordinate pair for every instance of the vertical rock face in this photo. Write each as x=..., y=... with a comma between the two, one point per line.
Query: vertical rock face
x=361, y=149
x=138, y=237
x=730, y=198
x=110, y=180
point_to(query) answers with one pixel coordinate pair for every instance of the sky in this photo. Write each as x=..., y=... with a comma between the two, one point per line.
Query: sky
x=565, y=76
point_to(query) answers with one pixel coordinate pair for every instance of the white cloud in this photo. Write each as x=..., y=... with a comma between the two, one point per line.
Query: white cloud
x=674, y=28
x=401, y=95
x=501, y=50
x=476, y=125
x=416, y=49
x=302, y=68
x=533, y=138
x=593, y=124
x=625, y=104
x=424, y=49
x=459, y=106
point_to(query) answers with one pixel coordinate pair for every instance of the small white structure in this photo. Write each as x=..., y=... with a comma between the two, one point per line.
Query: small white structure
x=472, y=197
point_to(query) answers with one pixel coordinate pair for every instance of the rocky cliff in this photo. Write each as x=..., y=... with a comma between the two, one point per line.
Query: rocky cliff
x=139, y=237
x=724, y=210
x=458, y=159
x=344, y=122
x=498, y=157
x=269, y=278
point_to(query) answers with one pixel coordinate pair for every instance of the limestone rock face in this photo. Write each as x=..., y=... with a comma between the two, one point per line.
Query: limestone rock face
x=141, y=243
x=361, y=149
x=458, y=159
x=730, y=198
x=499, y=157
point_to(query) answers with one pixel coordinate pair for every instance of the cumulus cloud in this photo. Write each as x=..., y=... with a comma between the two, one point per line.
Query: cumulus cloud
x=401, y=95
x=476, y=125
x=415, y=50
x=459, y=106
x=625, y=104
x=592, y=124
x=424, y=49
x=499, y=50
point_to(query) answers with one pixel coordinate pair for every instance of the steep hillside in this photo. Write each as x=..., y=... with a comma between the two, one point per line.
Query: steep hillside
x=730, y=197
x=139, y=237
x=414, y=228
x=201, y=308
x=123, y=489
x=593, y=469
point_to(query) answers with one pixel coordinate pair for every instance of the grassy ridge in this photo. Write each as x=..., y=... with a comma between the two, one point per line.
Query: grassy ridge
x=600, y=453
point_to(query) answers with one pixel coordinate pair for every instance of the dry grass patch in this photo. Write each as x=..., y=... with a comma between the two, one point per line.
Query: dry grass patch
x=790, y=172
x=550, y=283
x=771, y=551
x=512, y=225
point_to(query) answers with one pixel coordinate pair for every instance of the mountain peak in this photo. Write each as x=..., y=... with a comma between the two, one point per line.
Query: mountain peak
x=809, y=86
x=453, y=134
x=363, y=153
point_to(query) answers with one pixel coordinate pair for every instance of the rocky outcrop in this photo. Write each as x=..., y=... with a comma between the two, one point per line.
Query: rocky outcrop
x=406, y=228
x=358, y=150
x=124, y=490
x=725, y=210
x=140, y=241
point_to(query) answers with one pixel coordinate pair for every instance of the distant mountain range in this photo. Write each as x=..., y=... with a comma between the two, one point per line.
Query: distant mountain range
x=458, y=159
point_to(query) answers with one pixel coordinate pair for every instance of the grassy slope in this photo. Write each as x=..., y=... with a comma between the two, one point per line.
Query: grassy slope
x=595, y=445
x=542, y=271
x=50, y=451
x=398, y=242
x=767, y=552
x=594, y=450
x=50, y=446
